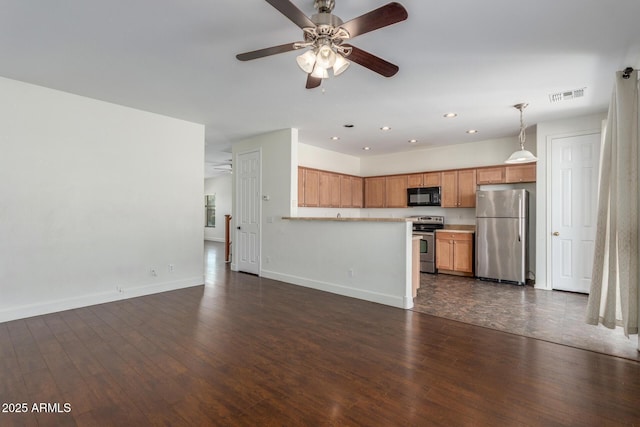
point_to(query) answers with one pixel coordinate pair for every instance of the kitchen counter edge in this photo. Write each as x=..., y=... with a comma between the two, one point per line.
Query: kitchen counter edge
x=345, y=219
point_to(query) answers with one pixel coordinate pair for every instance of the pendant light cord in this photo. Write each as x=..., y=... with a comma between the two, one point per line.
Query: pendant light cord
x=522, y=135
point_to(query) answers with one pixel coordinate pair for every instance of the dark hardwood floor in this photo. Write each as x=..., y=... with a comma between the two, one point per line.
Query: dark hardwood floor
x=243, y=350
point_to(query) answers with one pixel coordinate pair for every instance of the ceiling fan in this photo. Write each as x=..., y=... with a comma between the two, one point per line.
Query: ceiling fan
x=326, y=35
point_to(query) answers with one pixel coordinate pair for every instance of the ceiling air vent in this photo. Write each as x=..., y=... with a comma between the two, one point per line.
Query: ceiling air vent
x=566, y=95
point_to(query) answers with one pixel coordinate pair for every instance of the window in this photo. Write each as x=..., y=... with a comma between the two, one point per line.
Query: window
x=210, y=210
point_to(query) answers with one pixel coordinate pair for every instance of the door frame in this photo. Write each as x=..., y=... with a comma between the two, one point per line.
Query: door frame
x=548, y=241
x=236, y=209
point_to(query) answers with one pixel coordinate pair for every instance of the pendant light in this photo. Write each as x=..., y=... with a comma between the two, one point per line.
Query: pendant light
x=522, y=155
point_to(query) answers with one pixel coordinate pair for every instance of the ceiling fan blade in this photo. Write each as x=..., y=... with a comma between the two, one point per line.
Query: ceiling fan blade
x=313, y=82
x=388, y=14
x=289, y=10
x=260, y=53
x=372, y=62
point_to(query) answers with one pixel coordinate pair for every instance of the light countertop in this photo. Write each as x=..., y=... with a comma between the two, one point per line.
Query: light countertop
x=344, y=219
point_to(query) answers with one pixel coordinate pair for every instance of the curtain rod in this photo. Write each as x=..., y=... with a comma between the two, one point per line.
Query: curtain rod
x=627, y=72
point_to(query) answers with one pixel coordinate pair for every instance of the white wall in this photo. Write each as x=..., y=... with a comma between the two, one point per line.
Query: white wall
x=319, y=158
x=221, y=187
x=321, y=254
x=547, y=131
x=94, y=196
x=466, y=155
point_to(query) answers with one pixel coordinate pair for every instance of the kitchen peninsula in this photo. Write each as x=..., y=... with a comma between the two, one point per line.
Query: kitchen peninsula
x=365, y=258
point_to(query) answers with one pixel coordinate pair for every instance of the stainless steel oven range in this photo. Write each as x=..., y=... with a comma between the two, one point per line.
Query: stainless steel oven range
x=426, y=227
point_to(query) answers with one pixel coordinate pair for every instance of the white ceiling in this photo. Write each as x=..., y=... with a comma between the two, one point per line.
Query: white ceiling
x=474, y=57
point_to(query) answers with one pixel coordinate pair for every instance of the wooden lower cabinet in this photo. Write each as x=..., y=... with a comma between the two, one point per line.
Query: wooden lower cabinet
x=454, y=253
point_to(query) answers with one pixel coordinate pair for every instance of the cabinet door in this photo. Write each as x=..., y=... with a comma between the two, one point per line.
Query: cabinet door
x=414, y=180
x=431, y=179
x=463, y=253
x=346, y=191
x=396, y=191
x=467, y=188
x=334, y=190
x=521, y=173
x=444, y=253
x=311, y=187
x=449, y=190
x=357, y=188
x=324, y=190
x=490, y=175
x=374, y=190
x=300, y=186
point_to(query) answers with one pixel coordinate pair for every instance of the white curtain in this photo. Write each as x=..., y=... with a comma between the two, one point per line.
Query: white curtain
x=614, y=296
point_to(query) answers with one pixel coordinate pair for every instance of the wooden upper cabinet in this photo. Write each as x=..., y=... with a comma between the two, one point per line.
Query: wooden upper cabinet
x=449, y=189
x=300, y=186
x=374, y=192
x=467, y=188
x=396, y=191
x=357, y=188
x=311, y=187
x=346, y=191
x=414, y=180
x=334, y=190
x=432, y=179
x=427, y=179
x=329, y=191
x=458, y=188
x=520, y=173
x=494, y=175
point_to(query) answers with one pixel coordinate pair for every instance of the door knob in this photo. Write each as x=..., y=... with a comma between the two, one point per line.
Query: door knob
x=555, y=233
x=239, y=228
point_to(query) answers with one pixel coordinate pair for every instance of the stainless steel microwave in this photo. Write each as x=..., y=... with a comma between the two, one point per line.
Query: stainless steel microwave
x=425, y=196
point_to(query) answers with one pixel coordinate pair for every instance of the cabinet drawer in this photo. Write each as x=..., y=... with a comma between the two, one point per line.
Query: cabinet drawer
x=454, y=235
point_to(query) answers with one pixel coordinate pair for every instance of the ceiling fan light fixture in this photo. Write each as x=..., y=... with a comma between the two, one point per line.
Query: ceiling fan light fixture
x=521, y=155
x=319, y=72
x=326, y=57
x=340, y=65
x=306, y=61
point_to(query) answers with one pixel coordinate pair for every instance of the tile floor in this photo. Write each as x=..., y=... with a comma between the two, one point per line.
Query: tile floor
x=554, y=316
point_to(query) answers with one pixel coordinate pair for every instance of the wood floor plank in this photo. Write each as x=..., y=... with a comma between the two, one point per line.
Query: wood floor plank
x=250, y=351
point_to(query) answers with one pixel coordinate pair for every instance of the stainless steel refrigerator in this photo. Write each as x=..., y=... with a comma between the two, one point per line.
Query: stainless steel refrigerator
x=502, y=224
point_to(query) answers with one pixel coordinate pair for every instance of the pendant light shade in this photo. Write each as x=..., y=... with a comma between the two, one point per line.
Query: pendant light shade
x=319, y=72
x=522, y=155
x=306, y=61
x=340, y=65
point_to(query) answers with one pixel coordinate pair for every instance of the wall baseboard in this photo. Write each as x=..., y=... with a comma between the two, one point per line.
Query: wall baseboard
x=24, y=311
x=386, y=299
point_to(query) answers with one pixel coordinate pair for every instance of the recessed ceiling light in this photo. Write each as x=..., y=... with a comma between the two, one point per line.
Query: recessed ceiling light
x=472, y=131
x=413, y=141
x=366, y=148
x=335, y=138
x=385, y=128
x=450, y=115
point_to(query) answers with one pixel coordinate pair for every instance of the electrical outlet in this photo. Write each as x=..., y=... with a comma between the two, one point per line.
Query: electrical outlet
x=351, y=272
x=119, y=289
x=171, y=268
x=153, y=272
x=267, y=259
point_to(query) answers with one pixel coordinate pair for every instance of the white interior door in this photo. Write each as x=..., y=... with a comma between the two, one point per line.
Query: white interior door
x=247, y=242
x=575, y=161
